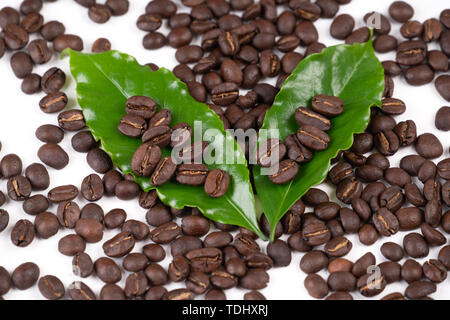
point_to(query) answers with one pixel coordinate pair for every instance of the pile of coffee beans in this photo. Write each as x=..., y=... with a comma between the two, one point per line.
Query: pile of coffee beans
x=297, y=147
x=375, y=199
x=142, y=121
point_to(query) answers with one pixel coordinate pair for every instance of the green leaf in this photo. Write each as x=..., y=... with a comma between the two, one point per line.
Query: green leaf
x=352, y=73
x=106, y=80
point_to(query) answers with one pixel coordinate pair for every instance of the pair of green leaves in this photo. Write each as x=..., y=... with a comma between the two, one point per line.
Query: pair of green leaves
x=105, y=81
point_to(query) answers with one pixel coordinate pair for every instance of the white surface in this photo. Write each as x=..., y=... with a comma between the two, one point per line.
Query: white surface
x=20, y=116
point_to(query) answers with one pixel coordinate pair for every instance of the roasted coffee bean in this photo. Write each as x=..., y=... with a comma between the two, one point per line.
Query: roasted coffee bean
x=437, y=60
x=428, y=146
x=64, y=41
x=392, y=251
x=306, y=11
x=179, y=269
x=107, y=270
x=62, y=193
x=101, y=45
x=51, y=287
x=145, y=159
x=348, y=189
x=218, y=239
x=216, y=183
x=8, y=16
x=163, y=172
x=432, y=29
x=313, y=138
x=313, y=197
x=369, y=286
x=52, y=29
x=411, y=29
x=412, y=164
x=415, y=245
x=71, y=244
x=442, y=85
x=49, y=133
x=367, y=234
x=340, y=264
x=342, y=26
x=118, y=7
x=53, y=155
x=31, y=83
x=433, y=211
x=386, y=222
x=442, y=121
x=99, y=13
x=195, y=226
x=137, y=229
x=68, y=214
x=80, y=291
x=46, y=225
x=197, y=282
x=419, y=75
x=397, y=177
x=15, y=36
x=110, y=180
x=338, y=247
x=420, y=289
x=406, y=132
x=38, y=176
x=392, y=106
x=25, y=275
x=115, y=218
x=381, y=123
x=341, y=295
x=349, y=219
x=444, y=256
x=409, y=218
x=369, y=173
x=21, y=64
x=154, y=252
x=165, y=233
x=327, y=210
x=307, y=33
x=342, y=281
x=245, y=244
x=132, y=126
x=316, y=286
x=83, y=141
x=339, y=172
x=127, y=190
x=287, y=171
x=204, y=259
x=82, y=265
x=384, y=24
x=71, y=120
x=361, y=265
x=149, y=22
x=135, y=262
x=112, y=291
x=120, y=245
x=140, y=106
x=391, y=271
x=39, y=51
x=99, y=160
x=432, y=189
x=255, y=279
x=316, y=234
x=296, y=151
x=92, y=188
x=362, y=143
x=19, y=188
x=89, y=229
x=22, y=233
x=158, y=215
x=305, y=116
x=401, y=11
x=327, y=105
x=391, y=68
x=411, y=52
x=385, y=43
x=354, y=159
x=427, y=171
x=434, y=237
x=443, y=41
x=362, y=209
x=313, y=261
x=53, y=102
x=154, y=40
x=279, y=252
x=30, y=6
x=35, y=204
x=4, y=219
x=52, y=81
x=411, y=271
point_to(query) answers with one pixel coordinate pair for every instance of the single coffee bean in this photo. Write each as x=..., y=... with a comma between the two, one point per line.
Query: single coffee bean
x=19, y=188
x=127, y=190
x=342, y=281
x=53, y=155
x=369, y=173
x=99, y=160
x=4, y=219
x=255, y=279
x=287, y=171
x=83, y=141
x=338, y=247
x=82, y=265
x=391, y=68
x=342, y=26
x=432, y=236
x=391, y=271
x=107, y=270
x=411, y=52
x=401, y=11
x=35, y=204
x=383, y=26
x=349, y=189
x=367, y=234
x=406, y=132
x=386, y=222
x=39, y=51
x=51, y=287
x=306, y=10
x=62, y=193
x=25, y=275
x=444, y=256
x=437, y=60
x=387, y=142
x=327, y=105
x=71, y=244
x=120, y=245
x=313, y=138
x=80, y=291
x=31, y=83
x=428, y=146
x=68, y=214
x=165, y=233
x=442, y=121
x=137, y=229
x=53, y=80
x=64, y=41
x=216, y=183
x=419, y=75
x=21, y=64
x=442, y=85
x=15, y=36
x=38, y=176
x=316, y=286
x=101, y=45
x=135, y=262
x=432, y=30
x=409, y=218
x=99, y=13
x=112, y=291
x=420, y=289
x=305, y=116
x=392, y=251
x=71, y=120
x=53, y=102
x=151, y=22
x=370, y=287
x=8, y=16
x=22, y=233
x=341, y=295
x=312, y=197
x=49, y=133
x=411, y=271
x=52, y=29
x=89, y=229
x=415, y=245
x=362, y=264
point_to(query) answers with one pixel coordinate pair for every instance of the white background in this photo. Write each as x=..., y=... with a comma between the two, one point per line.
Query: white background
x=20, y=116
